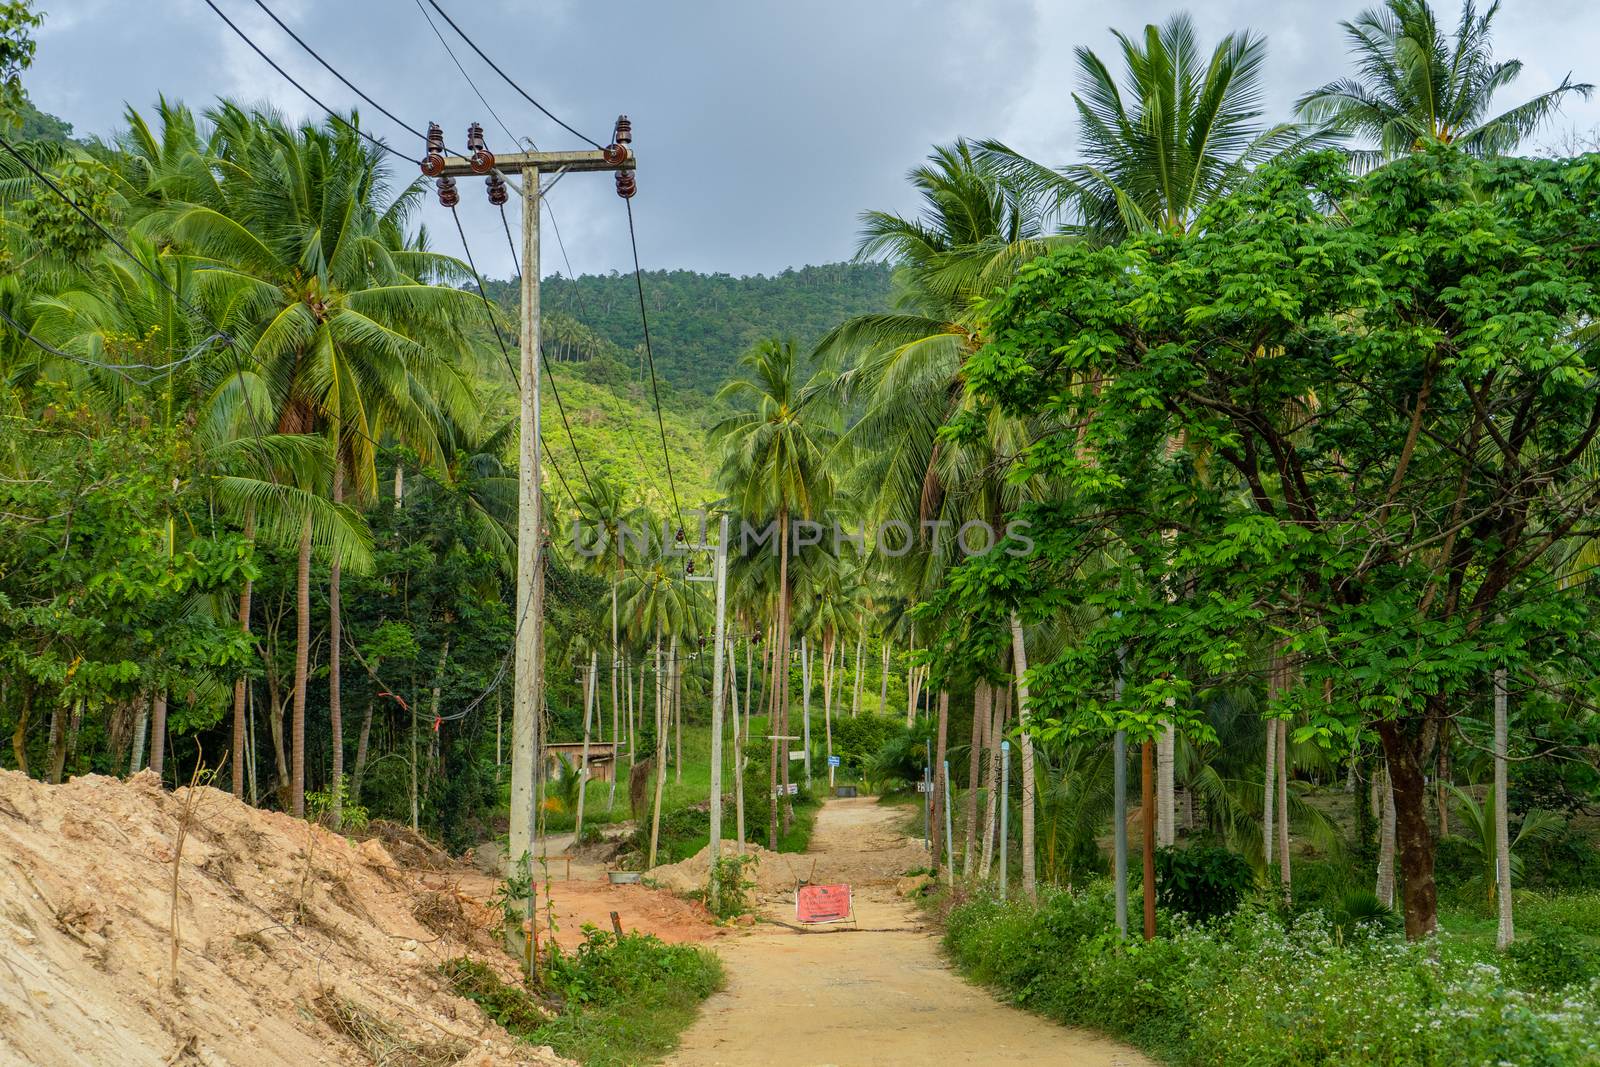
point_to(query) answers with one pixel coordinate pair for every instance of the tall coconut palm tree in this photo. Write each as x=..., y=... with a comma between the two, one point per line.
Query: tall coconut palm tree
x=775, y=450
x=603, y=509
x=337, y=306
x=1414, y=86
x=1183, y=128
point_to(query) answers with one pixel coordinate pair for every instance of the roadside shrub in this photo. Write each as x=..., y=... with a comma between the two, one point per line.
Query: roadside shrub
x=607, y=969
x=1552, y=958
x=1251, y=989
x=1202, y=882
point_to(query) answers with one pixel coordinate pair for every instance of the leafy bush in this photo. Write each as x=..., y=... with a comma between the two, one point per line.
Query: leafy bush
x=608, y=969
x=1251, y=989
x=1202, y=882
x=728, y=894
x=1553, y=958
x=857, y=740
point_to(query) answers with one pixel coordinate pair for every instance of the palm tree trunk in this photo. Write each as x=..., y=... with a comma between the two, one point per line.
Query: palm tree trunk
x=883, y=676
x=590, y=699
x=749, y=662
x=19, y=736
x=980, y=721
x=911, y=691
x=1284, y=872
x=943, y=848
x=1148, y=846
x=739, y=737
x=782, y=653
x=335, y=698
x=1166, y=806
x=58, y=745
x=140, y=730
x=660, y=755
x=861, y=641
x=1386, y=840
x=302, y=670
x=240, y=682
x=827, y=708
x=677, y=712
x=1269, y=796
x=616, y=707
x=998, y=699
x=360, y=770
x=1019, y=654
x=1505, y=931
x=158, y=734
x=805, y=704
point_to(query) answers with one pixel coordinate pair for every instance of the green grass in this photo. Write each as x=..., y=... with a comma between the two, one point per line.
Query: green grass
x=622, y=1000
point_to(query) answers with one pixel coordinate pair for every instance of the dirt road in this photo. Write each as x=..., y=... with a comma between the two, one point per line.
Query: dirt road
x=883, y=997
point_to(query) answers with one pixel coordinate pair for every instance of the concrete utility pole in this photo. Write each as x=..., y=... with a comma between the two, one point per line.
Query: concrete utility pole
x=719, y=686
x=528, y=685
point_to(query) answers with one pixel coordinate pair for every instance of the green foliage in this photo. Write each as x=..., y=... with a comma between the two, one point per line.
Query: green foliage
x=627, y=998
x=1553, y=958
x=1202, y=882
x=512, y=1006
x=857, y=740
x=353, y=818
x=18, y=20
x=728, y=893
x=1249, y=990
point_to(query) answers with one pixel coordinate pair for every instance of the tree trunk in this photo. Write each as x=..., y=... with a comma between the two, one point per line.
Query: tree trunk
x=1442, y=775
x=590, y=699
x=1505, y=931
x=335, y=697
x=240, y=682
x=805, y=705
x=616, y=706
x=302, y=669
x=158, y=734
x=676, y=672
x=58, y=745
x=855, y=700
x=1269, y=795
x=738, y=750
x=943, y=848
x=1413, y=837
x=1019, y=654
x=883, y=676
x=1386, y=839
x=141, y=730
x=360, y=770
x=1284, y=871
x=1147, y=802
x=980, y=721
x=781, y=654
x=828, y=673
x=660, y=754
x=19, y=736
x=998, y=699
x=1166, y=806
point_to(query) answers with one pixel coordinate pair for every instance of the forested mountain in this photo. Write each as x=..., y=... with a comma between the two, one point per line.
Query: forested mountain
x=700, y=324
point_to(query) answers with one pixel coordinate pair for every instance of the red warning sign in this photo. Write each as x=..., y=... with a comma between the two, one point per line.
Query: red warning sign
x=822, y=904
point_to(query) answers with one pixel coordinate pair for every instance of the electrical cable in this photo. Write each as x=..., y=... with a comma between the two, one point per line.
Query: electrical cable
x=331, y=113
x=474, y=85
x=508, y=80
x=655, y=389
x=418, y=134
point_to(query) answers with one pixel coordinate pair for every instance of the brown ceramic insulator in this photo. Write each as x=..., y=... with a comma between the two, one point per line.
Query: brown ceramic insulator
x=615, y=153
x=623, y=132
x=626, y=186
x=497, y=189
x=449, y=196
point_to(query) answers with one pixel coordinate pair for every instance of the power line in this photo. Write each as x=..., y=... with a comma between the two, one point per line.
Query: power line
x=508, y=80
x=655, y=389
x=331, y=113
x=347, y=82
x=474, y=85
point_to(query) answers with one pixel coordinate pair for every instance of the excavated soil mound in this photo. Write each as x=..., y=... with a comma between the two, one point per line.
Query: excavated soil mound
x=294, y=946
x=774, y=873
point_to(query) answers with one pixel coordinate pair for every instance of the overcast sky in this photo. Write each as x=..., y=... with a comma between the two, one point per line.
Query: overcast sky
x=762, y=127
